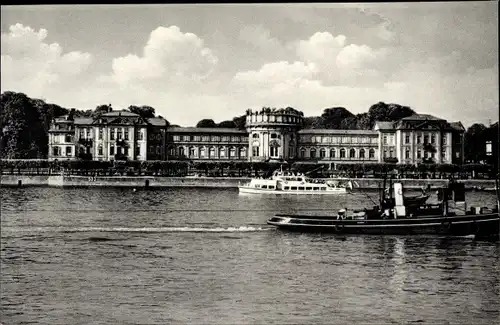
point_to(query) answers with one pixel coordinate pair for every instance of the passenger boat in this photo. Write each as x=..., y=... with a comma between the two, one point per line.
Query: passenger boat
x=289, y=182
x=395, y=216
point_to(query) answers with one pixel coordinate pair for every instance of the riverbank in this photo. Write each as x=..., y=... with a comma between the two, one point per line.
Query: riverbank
x=215, y=182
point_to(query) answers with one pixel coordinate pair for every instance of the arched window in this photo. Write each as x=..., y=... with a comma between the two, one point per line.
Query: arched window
x=222, y=152
x=371, y=153
x=232, y=152
x=302, y=153
x=362, y=153
x=203, y=152
x=211, y=152
x=352, y=153
x=171, y=151
x=192, y=152
x=332, y=153
x=322, y=153
x=342, y=153
x=313, y=153
x=243, y=152
x=181, y=151
x=255, y=135
x=274, y=136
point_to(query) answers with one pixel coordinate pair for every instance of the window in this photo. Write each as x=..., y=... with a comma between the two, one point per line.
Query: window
x=443, y=140
x=203, y=153
x=443, y=154
x=352, y=153
x=433, y=139
x=419, y=139
x=82, y=135
x=197, y=138
x=125, y=151
x=140, y=135
x=126, y=133
x=119, y=131
x=302, y=153
x=225, y=138
x=222, y=153
x=171, y=151
x=112, y=150
x=215, y=138
x=274, y=136
x=407, y=154
x=255, y=135
x=419, y=154
x=157, y=150
x=137, y=150
x=243, y=152
x=385, y=153
x=313, y=153
x=177, y=138
x=385, y=140
x=99, y=150
x=68, y=151
x=211, y=152
x=342, y=153
x=371, y=153
x=426, y=139
x=112, y=134
x=362, y=153
x=232, y=152
x=332, y=153
x=192, y=152
x=181, y=151
x=205, y=138
x=322, y=153
x=407, y=139
x=67, y=138
x=255, y=151
x=186, y=137
x=391, y=153
x=100, y=133
x=273, y=151
x=55, y=151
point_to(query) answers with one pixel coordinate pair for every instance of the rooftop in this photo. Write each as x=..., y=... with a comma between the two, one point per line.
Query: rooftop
x=179, y=129
x=120, y=113
x=337, y=131
x=421, y=117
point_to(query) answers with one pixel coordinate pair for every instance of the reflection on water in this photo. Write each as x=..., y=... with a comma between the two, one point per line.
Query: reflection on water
x=201, y=256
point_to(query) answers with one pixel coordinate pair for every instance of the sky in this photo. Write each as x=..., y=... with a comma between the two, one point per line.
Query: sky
x=196, y=61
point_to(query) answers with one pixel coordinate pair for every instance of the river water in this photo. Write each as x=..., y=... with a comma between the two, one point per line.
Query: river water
x=205, y=256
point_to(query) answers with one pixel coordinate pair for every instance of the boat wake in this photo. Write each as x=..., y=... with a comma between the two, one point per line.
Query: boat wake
x=139, y=229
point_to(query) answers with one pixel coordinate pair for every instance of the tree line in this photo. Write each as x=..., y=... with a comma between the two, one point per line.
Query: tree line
x=25, y=122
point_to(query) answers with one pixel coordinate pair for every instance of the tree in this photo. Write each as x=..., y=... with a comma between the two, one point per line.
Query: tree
x=22, y=128
x=143, y=111
x=102, y=109
x=206, y=123
x=240, y=122
x=474, y=138
x=227, y=124
x=332, y=117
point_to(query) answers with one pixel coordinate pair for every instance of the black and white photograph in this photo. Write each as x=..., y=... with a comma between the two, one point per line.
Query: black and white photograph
x=250, y=163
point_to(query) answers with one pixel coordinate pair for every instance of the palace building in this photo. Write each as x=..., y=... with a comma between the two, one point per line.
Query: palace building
x=271, y=134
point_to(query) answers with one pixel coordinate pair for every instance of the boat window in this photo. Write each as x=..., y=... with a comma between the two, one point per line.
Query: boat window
x=301, y=188
x=293, y=188
x=286, y=188
x=308, y=188
x=323, y=188
x=315, y=188
x=271, y=187
x=264, y=186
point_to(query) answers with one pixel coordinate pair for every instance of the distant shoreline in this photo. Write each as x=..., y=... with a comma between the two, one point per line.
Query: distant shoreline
x=208, y=182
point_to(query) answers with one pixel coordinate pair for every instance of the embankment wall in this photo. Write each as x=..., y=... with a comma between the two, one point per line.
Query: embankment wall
x=217, y=182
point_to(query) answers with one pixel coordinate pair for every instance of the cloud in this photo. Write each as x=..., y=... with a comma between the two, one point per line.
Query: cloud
x=31, y=65
x=168, y=55
x=340, y=63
